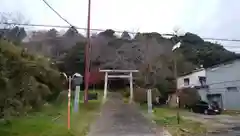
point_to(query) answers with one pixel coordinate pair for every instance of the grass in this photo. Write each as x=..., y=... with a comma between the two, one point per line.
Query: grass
x=167, y=117
x=52, y=121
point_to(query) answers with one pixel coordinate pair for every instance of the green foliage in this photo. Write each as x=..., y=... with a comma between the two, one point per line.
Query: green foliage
x=193, y=53
x=140, y=95
x=15, y=34
x=167, y=117
x=52, y=121
x=204, y=53
x=189, y=96
x=26, y=81
x=74, y=60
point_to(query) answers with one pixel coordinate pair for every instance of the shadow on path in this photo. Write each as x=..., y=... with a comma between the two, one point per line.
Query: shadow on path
x=120, y=119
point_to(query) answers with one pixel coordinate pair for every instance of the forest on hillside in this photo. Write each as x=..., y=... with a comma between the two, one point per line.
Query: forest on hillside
x=151, y=53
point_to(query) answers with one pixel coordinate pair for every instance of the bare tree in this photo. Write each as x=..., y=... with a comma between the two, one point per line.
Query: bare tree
x=9, y=28
x=15, y=18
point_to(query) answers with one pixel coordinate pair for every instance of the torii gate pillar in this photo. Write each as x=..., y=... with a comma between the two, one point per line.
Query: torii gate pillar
x=130, y=77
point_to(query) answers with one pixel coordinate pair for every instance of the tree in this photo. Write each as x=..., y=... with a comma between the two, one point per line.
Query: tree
x=204, y=53
x=74, y=60
x=108, y=33
x=72, y=31
x=16, y=34
x=125, y=36
x=12, y=31
x=52, y=33
x=27, y=81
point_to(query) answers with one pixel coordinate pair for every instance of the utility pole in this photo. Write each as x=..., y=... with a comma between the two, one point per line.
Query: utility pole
x=147, y=79
x=175, y=76
x=87, y=49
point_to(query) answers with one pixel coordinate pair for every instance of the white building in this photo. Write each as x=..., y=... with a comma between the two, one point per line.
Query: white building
x=219, y=83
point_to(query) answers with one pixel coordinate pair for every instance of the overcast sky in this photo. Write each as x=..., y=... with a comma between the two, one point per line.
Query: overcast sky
x=207, y=18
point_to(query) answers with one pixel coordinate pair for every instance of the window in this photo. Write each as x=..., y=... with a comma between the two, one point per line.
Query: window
x=186, y=81
x=202, y=80
x=232, y=89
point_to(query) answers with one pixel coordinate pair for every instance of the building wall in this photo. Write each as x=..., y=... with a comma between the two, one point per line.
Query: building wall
x=222, y=77
x=193, y=78
x=203, y=94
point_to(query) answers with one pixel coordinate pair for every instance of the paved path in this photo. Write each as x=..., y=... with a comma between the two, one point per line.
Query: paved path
x=120, y=119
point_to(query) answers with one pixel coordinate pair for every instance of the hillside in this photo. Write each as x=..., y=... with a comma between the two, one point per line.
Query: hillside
x=200, y=52
x=110, y=51
x=151, y=53
x=27, y=81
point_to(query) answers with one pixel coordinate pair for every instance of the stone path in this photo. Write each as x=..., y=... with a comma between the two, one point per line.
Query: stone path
x=120, y=119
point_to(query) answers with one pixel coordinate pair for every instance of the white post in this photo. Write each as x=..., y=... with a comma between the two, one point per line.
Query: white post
x=149, y=98
x=105, y=85
x=76, y=100
x=131, y=87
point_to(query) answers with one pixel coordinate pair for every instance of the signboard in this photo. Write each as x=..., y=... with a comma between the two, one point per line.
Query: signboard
x=78, y=81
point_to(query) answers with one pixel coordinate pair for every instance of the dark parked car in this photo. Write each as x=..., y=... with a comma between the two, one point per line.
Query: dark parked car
x=206, y=108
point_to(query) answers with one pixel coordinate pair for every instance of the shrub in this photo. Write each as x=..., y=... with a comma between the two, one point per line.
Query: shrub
x=27, y=81
x=188, y=96
x=62, y=97
x=140, y=95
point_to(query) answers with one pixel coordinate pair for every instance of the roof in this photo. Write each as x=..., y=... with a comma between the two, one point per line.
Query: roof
x=224, y=63
x=214, y=66
x=188, y=73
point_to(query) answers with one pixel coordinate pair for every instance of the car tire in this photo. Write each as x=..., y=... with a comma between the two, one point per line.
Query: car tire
x=206, y=112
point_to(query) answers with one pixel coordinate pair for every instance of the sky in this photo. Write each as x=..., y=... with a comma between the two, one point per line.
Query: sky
x=207, y=18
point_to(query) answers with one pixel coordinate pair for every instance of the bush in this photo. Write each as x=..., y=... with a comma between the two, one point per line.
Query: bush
x=140, y=95
x=188, y=96
x=27, y=81
x=62, y=97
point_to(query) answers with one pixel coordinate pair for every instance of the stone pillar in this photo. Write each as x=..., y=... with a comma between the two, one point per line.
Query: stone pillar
x=105, y=86
x=131, y=87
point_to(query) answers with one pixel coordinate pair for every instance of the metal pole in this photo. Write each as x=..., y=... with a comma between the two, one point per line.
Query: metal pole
x=86, y=81
x=69, y=101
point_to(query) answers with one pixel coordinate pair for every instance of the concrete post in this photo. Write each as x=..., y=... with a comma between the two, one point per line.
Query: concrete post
x=131, y=87
x=149, y=98
x=105, y=86
x=76, y=100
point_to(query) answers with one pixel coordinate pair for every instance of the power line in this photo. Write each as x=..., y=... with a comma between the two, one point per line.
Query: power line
x=56, y=12
x=100, y=30
x=39, y=25
x=60, y=26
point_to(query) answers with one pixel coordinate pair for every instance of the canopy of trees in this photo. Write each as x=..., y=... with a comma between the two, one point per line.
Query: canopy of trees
x=151, y=53
x=15, y=34
x=199, y=52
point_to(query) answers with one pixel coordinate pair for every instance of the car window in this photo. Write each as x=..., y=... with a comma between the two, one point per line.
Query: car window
x=202, y=102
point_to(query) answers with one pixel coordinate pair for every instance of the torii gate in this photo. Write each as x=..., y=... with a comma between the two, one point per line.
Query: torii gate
x=130, y=77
